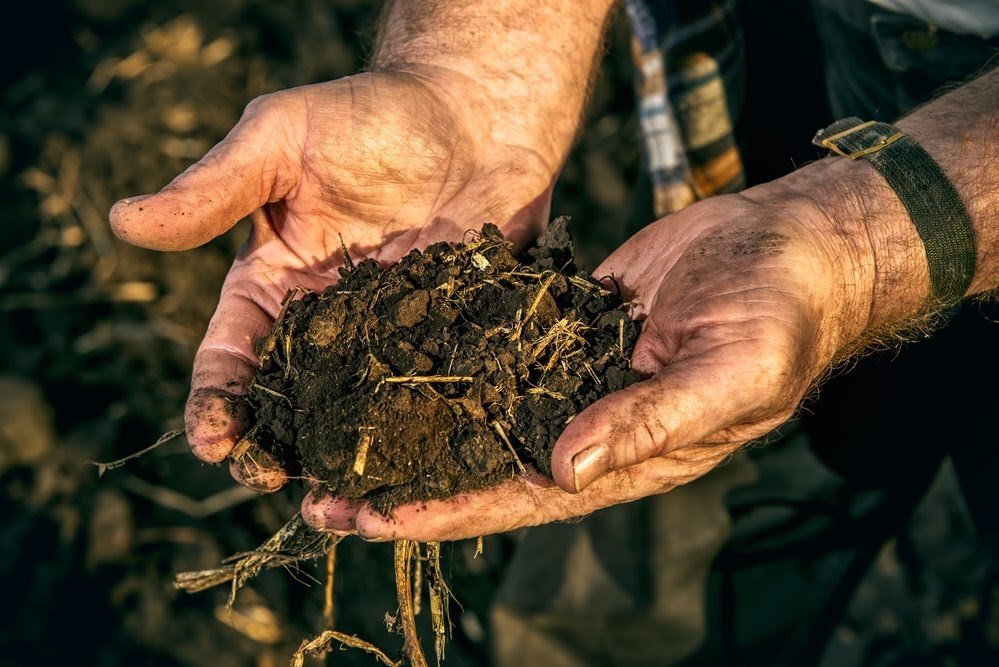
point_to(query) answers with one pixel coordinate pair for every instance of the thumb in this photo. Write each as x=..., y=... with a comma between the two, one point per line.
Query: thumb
x=717, y=397
x=243, y=172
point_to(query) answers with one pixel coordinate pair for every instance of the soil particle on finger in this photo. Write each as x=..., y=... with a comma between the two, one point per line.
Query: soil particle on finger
x=449, y=371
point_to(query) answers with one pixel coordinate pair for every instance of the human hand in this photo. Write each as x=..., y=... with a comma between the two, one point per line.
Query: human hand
x=746, y=301
x=377, y=163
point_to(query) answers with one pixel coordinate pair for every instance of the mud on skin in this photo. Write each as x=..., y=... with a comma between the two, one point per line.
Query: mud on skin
x=446, y=372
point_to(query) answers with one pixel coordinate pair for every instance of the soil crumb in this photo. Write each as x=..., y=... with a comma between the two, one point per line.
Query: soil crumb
x=449, y=371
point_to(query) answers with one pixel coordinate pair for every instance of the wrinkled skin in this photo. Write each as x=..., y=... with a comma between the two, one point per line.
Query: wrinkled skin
x=743, y=302
x=743, y=296
x=747, y=299
x=380, y=163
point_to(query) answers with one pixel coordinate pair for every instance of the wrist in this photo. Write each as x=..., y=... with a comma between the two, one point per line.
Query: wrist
x=481, y=117
x=519, y=72
x=924, y=199
x=878, y=277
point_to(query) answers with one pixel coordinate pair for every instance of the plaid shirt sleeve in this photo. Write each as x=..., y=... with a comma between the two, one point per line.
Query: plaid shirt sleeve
x=688, y=78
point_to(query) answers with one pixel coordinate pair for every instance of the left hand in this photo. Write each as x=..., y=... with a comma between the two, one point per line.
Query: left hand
x=747, y=300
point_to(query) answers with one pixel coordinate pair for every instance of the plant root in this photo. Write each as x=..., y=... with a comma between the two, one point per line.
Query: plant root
x=296, y=541
x=112, y=465
x=404, y=551
x=323, y=644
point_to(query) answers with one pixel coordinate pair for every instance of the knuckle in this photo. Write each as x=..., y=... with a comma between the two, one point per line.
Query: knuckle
x=652, y=436
x=260, y=104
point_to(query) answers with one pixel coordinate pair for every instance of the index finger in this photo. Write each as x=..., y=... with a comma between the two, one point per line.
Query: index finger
x=216, y=415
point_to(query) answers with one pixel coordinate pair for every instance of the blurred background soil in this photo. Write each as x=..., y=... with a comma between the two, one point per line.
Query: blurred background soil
x=104, y=99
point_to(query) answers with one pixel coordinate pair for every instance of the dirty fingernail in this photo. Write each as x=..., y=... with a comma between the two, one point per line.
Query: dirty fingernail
x=374, y=539
x=590, y=464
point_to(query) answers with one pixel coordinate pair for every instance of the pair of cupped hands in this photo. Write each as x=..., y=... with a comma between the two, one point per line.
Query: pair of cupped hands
x=742, y=296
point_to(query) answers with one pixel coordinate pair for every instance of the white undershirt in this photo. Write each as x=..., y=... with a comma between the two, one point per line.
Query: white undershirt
x=967, y=17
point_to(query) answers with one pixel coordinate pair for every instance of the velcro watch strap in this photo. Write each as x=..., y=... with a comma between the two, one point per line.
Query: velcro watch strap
x=933, y=204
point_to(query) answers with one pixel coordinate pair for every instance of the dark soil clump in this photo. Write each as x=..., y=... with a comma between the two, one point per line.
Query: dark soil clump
x=446, y=372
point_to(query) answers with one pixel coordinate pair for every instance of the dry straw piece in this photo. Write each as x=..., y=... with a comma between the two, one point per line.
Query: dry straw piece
x=296, y=542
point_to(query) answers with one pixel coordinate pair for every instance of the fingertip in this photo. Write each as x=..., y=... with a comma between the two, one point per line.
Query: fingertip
x=323, y=511
x=577, y=465
x=646, y=360
x=159, y=221
x=373, y=526
x=125, y=218
x=261, y=473
x=562, y=471
x=215, y=420
x=171, y=219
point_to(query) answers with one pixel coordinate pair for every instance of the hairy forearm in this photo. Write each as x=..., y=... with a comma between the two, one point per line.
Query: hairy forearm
x=961, y=132
x=885, y=271
x=519, y=70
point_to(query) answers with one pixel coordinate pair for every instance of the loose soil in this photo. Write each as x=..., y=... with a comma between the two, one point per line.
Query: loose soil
x=449, y=371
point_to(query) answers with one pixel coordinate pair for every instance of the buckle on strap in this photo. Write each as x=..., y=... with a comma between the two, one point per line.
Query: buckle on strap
x=831, y=142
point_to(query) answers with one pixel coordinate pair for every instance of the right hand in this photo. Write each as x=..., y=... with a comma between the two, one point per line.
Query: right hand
x=745, y=299
x=386, y=161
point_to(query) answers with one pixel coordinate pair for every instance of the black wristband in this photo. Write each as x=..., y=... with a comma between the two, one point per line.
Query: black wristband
x=933, y=204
